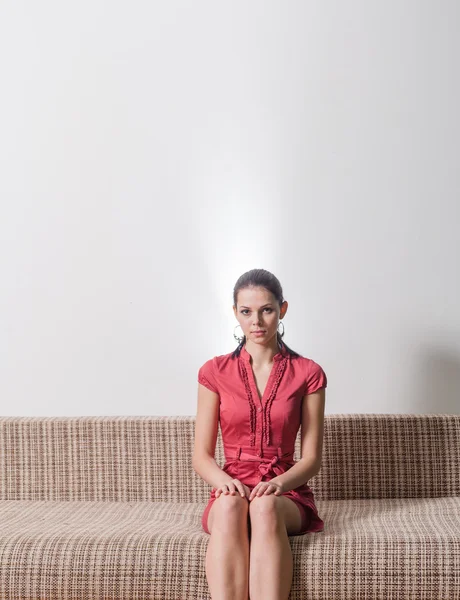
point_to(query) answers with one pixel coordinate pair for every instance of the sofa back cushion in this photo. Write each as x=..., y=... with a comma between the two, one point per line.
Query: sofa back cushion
x=149, y=458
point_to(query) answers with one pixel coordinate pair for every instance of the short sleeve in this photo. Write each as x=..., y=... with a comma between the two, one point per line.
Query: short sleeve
x=316, y=378
x=206, y=376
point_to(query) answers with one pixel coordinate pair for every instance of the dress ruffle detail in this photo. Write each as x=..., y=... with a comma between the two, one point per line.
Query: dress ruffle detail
x=252, y=406
x=281, y=367
x=266, y=422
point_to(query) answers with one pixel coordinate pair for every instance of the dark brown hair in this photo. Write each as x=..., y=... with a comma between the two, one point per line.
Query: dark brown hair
x=264, y=279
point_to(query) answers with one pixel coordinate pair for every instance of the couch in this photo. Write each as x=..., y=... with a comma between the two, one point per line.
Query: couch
x=109, y=508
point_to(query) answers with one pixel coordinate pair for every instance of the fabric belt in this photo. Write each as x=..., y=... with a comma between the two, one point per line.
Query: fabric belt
x=267, y=464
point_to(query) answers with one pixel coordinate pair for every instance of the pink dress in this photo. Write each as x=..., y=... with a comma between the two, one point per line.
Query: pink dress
x=259, y=434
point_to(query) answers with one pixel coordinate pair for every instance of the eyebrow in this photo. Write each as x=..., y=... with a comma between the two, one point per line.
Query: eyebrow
x=260, y=307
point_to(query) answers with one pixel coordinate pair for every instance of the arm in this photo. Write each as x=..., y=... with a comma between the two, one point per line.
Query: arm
x=311, y=432
x=206, y=428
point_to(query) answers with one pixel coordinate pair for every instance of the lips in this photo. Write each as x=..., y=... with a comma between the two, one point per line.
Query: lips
x=259, y=331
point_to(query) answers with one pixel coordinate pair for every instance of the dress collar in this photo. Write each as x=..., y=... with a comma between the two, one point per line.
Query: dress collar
x=244, y=354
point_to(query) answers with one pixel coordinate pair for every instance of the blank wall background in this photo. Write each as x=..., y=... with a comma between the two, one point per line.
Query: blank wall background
x=153, y=152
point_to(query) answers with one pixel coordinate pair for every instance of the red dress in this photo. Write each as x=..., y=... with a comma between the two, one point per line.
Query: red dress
x=259, y=435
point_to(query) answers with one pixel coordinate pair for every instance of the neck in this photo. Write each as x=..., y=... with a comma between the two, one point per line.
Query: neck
x=262, y=355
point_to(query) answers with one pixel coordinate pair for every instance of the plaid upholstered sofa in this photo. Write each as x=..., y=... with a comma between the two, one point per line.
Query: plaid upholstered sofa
x=109, y=508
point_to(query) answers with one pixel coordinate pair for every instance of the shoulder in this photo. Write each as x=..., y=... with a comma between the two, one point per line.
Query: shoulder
x=313, y=374
x=302, y=363
x=309, y=363
x=207, y=375
x=212, y=371
x=219, y=361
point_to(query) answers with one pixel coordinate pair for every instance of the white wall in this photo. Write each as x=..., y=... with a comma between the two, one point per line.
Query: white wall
x=153, y=152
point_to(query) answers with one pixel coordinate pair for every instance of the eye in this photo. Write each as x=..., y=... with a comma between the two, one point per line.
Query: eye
x=245, y=310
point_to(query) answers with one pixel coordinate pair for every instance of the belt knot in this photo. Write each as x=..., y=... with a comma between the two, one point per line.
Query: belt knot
x=270, y=467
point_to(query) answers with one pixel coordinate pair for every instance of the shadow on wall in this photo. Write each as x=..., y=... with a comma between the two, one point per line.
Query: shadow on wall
x=437, y=389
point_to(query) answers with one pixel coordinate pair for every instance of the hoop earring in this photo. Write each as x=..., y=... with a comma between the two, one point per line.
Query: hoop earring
x=281, y=323
x=238, y=339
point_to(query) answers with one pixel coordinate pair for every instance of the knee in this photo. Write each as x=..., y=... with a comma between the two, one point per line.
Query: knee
x=230, y=511
x=265, y=509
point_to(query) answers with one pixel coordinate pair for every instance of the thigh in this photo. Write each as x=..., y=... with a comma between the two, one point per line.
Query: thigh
x=293, y=515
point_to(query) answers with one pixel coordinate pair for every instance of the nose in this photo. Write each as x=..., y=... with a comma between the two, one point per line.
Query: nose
x=257, y=323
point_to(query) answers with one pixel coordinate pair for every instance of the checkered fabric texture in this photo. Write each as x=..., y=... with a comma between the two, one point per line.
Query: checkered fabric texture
x=109, y=508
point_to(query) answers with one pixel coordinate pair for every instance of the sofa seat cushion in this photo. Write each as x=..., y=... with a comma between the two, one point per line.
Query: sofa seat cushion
x=373, y=548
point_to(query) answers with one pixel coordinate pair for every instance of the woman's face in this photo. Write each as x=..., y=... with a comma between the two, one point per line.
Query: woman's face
x=257, y=309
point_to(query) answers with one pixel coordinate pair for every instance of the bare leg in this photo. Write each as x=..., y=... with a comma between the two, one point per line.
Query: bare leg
x=271, y=562
x=227, y=555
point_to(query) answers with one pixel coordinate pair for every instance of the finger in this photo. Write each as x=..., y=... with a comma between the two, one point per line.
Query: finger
x=231, y=488
x=254, y=491
x=262, y=490
x=221, y=491
x=234, y=486
x=241, y=489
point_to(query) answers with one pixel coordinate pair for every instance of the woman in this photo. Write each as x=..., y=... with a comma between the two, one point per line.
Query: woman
x=261, y=393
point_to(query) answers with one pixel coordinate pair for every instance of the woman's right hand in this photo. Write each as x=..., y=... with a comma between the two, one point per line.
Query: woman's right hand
x=233, y=487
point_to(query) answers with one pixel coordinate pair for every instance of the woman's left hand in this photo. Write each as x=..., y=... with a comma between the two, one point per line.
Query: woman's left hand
x=265, y=488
